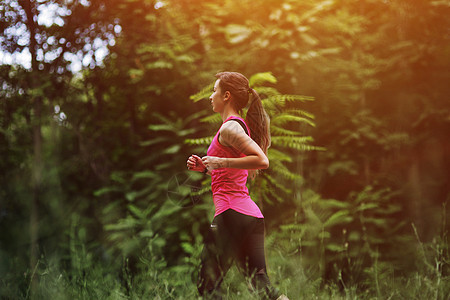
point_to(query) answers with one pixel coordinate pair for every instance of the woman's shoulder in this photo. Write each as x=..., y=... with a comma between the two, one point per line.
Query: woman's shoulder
x=231, y=128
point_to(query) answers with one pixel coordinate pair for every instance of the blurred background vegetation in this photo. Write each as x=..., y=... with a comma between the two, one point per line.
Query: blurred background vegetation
x=101, y=104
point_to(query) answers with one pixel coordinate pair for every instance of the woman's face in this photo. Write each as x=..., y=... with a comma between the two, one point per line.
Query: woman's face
x=217, y=98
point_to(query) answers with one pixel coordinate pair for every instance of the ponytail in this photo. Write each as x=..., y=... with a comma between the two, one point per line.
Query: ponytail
x=257, y=118
x=258, y=121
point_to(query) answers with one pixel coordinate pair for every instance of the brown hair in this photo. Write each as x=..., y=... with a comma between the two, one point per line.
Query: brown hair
x=241, y=94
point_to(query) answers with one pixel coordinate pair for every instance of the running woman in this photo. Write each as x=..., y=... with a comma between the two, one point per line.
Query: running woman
x=239, y=148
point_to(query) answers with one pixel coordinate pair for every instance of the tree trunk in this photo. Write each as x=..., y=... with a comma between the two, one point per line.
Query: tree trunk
x=36, y=185
x=30, y=9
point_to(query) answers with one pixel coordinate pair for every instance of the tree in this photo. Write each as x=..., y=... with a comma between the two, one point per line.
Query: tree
x=40, y=85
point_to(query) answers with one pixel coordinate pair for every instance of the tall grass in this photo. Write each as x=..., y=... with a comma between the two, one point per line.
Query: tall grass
x=85, y=276
x=83, y=269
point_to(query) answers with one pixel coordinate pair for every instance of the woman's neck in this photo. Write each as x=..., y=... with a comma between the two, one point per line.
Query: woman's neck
x=228, y=112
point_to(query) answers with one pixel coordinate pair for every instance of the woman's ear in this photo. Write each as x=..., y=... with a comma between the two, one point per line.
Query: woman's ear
x=226, y=96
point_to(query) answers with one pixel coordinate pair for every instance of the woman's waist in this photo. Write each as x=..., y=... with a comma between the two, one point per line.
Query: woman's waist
x=232, y=198
x=227, y=175
x=228, y=188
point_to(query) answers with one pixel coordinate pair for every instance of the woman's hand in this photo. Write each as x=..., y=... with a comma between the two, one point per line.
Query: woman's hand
x=194, y=163
x=212, y=162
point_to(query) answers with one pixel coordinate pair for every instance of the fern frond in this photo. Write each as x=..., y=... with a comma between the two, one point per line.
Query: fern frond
x=161, y=127
x=277, y=196
x=297, y=143
x=215, y=118
x=279, y=186
x=330, y=204
x=260, y=191
x=274, y=154
x=291, y=98
x=288, y=140
x=144, y=175
x=203, y=94
x=195, y=116
x=279, y=168
x=271, y=106
x=267, y=91
x=199, y=141
x=284, y=118
x=310, y=148
x=276, y=130
x=162, y=118
x=300, y=112
x=261, y=78
x=264, y=196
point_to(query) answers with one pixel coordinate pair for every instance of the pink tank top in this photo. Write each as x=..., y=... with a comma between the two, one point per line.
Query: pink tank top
x=229, y=185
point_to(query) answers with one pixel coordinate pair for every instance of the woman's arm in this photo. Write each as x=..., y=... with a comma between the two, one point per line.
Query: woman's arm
x=233, y=135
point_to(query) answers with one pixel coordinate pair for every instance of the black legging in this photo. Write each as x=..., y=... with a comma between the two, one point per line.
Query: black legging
x=234, y=236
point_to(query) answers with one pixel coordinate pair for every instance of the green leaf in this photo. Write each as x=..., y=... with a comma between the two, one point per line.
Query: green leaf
x=161, y=127
x=275, y=154
x=203, y=94
x=136, y=211
x=172, y=150
x=122, y=224
x=281, y=119
x=199, y=141
x=335, y=247
x=214, y=118
x=340, y=217
x=366, y=206
x=260, y=79
x=159, y=64
x=187, y=247
x=146, y=233
x=324, y=235
x=130, y=196
x=332, y=204
x=106, y=190
x=145, y=175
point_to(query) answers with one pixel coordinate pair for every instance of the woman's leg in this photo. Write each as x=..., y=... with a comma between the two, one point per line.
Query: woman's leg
x=234, y=236
x=252, y=260
x=216, y=259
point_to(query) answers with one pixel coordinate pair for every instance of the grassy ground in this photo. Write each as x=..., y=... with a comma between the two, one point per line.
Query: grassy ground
x=97, y=281
x=83, y=275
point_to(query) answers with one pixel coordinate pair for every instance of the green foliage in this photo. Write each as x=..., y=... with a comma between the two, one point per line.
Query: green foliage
x=343, y=240
x=203, y=94
x=260, y=79
x=146, y=212
x=101, y=223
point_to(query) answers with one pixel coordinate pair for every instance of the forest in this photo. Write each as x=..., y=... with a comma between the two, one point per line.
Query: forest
x=102, y=102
